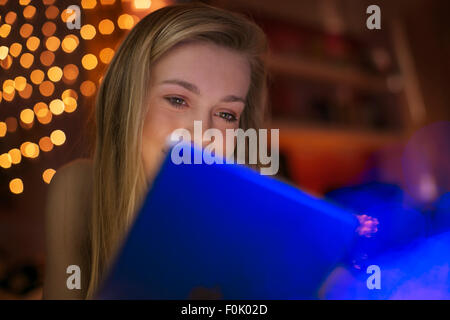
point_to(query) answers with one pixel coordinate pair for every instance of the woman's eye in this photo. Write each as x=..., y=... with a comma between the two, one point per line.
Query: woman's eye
x=176, y=102
x=227, y=116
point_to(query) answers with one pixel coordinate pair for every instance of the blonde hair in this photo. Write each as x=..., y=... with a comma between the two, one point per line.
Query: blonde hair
x=119, y=181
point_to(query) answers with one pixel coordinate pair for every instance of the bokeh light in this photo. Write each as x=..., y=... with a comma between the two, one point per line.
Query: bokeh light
x=58, y=137
x=48, y=174
x=16, y=186
x=89, y=61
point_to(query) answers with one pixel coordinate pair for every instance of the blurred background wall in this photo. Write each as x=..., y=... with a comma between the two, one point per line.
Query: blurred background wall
x=345, y=98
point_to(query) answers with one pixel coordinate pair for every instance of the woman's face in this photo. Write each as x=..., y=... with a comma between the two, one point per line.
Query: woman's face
x=193, y=81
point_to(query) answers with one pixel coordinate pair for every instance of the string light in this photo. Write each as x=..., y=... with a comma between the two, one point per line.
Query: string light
x=37, y=76
x=48, y=174
x=89, y=61
x=15, y=49
x=88, y=32
x=142, y=4
x=27, y=116
x=106, y=26
x=15, y=155
x=88, y=4
x=56, y=107
x=3, y=52
x=5, y=161
x=58, y=137
x=2, y=129
x=16, y=186
x=52, y=12
x=35, y=50
x=5, y=29
x=46, y=144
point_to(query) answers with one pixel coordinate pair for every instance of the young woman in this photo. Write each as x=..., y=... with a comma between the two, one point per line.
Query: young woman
x=179, y=64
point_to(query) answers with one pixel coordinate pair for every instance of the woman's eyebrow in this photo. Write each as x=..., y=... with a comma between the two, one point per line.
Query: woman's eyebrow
x=193, y=88
x=187, y=85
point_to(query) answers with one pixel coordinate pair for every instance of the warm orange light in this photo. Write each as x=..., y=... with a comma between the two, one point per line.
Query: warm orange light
x=54, y=74
x=5, y=161
x=106, y=26
x=23, y=146
x=107, y=2
x=46, y=144
x=15, y=49
x=69, y=43
x=70, y=104
x=2, y=129
x=69, y=93
x=16, y=186
x=33, y=43
x=26, y=93
x=65, y=15
x=46, y=88
x=52, y=12
x=10, y=17
x=40, y=109
x=125, y=21
x=56, y=107
x=47, y=58
x=9, y=96
x=8, y=86
x=5, y=29
x=87, y=88
x=52, y=43
x=26, y=60
x=26, y=30
x=142, y=4
x=48, y=28
x=106, y=55
x=88, y=4
x=24, y=2
x=58, y=137
x=37, y=76
x=89, y=61
x=46, y=119
x=27, y=116
x=31, y=150
x=15, y=155
x=6, y=63
x=48, y=174
x=3, y=52
x=88, y=32
x=70, y=72
x=29, y=12
x=20, y=83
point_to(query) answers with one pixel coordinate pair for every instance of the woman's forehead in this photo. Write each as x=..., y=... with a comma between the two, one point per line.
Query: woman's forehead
x=206, y=65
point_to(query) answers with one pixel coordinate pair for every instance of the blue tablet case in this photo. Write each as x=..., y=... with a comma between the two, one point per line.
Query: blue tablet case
x=224, y=231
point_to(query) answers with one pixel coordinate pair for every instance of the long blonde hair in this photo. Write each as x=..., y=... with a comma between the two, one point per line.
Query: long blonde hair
x=119, y=181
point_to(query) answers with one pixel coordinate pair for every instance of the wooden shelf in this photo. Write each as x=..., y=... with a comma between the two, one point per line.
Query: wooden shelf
x=298, y=67
x=297, y=137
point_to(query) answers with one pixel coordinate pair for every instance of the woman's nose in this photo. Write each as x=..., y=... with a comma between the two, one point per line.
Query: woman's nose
x=198, y=124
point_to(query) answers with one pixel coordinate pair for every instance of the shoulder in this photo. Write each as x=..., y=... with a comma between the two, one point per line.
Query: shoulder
x=77, y=171
x=67, y=217
x=70, y=189
x=69, y=196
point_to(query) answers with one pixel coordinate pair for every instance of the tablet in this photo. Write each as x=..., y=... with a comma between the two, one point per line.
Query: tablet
x=224, y=231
